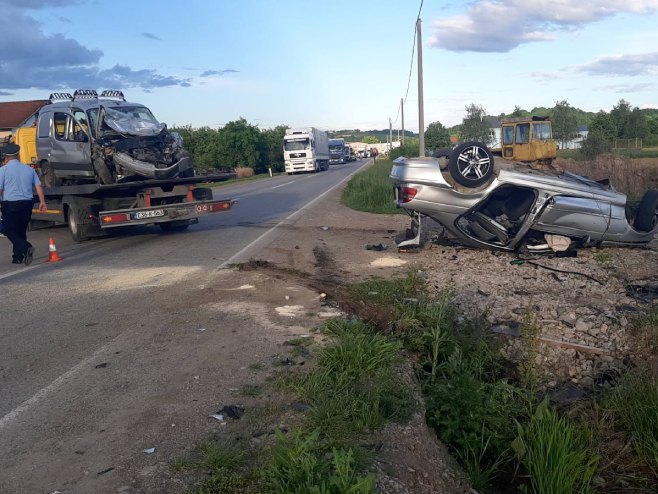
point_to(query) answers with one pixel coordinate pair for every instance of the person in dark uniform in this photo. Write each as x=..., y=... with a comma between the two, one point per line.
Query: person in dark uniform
x=17, y=185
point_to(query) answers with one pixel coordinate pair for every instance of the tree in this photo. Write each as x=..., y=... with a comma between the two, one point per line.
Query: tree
x=565, y=122
x=518, y=112
x=370, y=140
x=241, y=145
x=620, y=114
x=636, y=125
x=273, y=142
x=603, y=126
x=474, y=126
x=436, y=136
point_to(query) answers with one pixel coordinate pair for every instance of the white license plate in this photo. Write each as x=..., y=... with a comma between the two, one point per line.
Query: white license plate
x=154, y=213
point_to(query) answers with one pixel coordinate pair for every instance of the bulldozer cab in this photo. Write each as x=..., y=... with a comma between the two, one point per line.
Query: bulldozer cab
x=528, y=139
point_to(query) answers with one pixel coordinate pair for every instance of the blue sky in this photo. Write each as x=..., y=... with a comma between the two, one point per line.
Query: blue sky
x=332, y=64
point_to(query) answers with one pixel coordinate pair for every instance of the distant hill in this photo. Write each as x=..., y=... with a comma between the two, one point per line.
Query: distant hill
x=356, y=135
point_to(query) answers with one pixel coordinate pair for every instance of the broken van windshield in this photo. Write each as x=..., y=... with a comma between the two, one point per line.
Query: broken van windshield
x=136, y=120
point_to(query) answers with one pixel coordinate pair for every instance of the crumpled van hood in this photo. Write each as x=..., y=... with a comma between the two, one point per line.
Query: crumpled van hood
x=127, y=124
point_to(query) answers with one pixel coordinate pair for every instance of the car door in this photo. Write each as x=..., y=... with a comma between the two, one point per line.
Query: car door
x=70, y=154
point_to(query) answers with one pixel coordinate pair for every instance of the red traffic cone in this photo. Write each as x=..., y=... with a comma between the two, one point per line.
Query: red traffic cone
x=53, y=256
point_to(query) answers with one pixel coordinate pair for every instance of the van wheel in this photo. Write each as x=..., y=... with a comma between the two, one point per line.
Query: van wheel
x=471, y=164
x=48, y=175
x=76, y=227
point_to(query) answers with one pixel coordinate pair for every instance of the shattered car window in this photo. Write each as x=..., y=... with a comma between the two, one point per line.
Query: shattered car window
x=137, y=120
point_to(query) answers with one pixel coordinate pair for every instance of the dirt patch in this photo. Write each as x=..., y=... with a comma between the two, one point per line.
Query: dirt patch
x=630, y=176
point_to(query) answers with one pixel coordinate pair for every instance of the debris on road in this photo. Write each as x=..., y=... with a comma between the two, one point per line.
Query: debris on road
x=232, y=411
x=378, y=247
x=149, y=450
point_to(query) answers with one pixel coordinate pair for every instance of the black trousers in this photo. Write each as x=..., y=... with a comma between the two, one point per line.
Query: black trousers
x=16, y=216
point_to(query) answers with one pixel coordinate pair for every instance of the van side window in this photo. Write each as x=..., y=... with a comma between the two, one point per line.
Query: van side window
x=81, y=118
x=44, y=125
x=67, y=128
x=59, y=126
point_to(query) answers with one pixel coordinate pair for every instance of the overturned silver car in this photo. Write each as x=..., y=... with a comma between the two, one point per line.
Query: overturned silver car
x=515, y=207
x=105, y=139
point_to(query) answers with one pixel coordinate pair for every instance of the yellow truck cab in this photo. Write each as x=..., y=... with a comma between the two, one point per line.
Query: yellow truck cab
x=26, y=138
x=528, y=139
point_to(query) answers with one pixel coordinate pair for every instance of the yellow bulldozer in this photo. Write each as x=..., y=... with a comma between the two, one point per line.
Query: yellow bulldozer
x=526, y=139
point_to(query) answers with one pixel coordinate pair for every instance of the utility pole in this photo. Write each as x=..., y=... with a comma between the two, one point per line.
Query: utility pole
x=390, y=135
x=402, y=110
x=421, y=116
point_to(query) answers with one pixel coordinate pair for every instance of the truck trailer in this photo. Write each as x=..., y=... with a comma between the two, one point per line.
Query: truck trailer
x=305, y=150
x=91, y=210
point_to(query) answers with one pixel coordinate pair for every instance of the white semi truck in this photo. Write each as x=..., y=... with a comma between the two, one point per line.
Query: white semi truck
x=305, y=150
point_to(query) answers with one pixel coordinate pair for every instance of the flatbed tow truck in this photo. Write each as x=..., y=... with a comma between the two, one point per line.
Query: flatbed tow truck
x=90, y=210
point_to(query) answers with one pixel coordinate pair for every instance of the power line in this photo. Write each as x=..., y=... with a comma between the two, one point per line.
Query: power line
x=411, y=64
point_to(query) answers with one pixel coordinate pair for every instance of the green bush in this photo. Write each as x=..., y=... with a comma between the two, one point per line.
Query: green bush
x=595, y=145
x=410, y=150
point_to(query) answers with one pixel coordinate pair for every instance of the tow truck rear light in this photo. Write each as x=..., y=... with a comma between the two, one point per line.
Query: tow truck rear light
x=115, y=218
x=408, y=193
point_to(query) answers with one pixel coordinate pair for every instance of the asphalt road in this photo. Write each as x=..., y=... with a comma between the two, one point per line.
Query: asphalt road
x=117, y=301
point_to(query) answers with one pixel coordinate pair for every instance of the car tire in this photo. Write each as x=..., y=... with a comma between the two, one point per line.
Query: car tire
x=647, y=212
x=471, y=164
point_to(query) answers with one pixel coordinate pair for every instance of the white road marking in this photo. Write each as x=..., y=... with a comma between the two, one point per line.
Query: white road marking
x=53, y=386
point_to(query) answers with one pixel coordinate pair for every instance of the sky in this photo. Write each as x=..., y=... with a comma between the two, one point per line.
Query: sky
x=339, y=64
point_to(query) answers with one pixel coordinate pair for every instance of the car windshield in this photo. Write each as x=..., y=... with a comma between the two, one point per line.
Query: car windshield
x=296, y=144
x=336, y=149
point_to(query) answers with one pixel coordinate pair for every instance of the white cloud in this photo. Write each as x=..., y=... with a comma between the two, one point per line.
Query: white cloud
x=622, y=65
x=32, y=59
x=502, y=25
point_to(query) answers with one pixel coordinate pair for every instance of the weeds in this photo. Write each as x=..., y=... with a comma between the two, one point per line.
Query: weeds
x=645, y=328
x=353, y=387
x=299, y=465
x=634, y=405
x=388, y=292
x=555, y=452
x=371, y=191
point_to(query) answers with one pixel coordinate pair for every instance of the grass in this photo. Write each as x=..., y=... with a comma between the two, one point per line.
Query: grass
x=645, y=328
x=386, y=291
x=556, y=453
x=354, y=387
x=371, y=190
x=299, y=465
x=633, y=403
